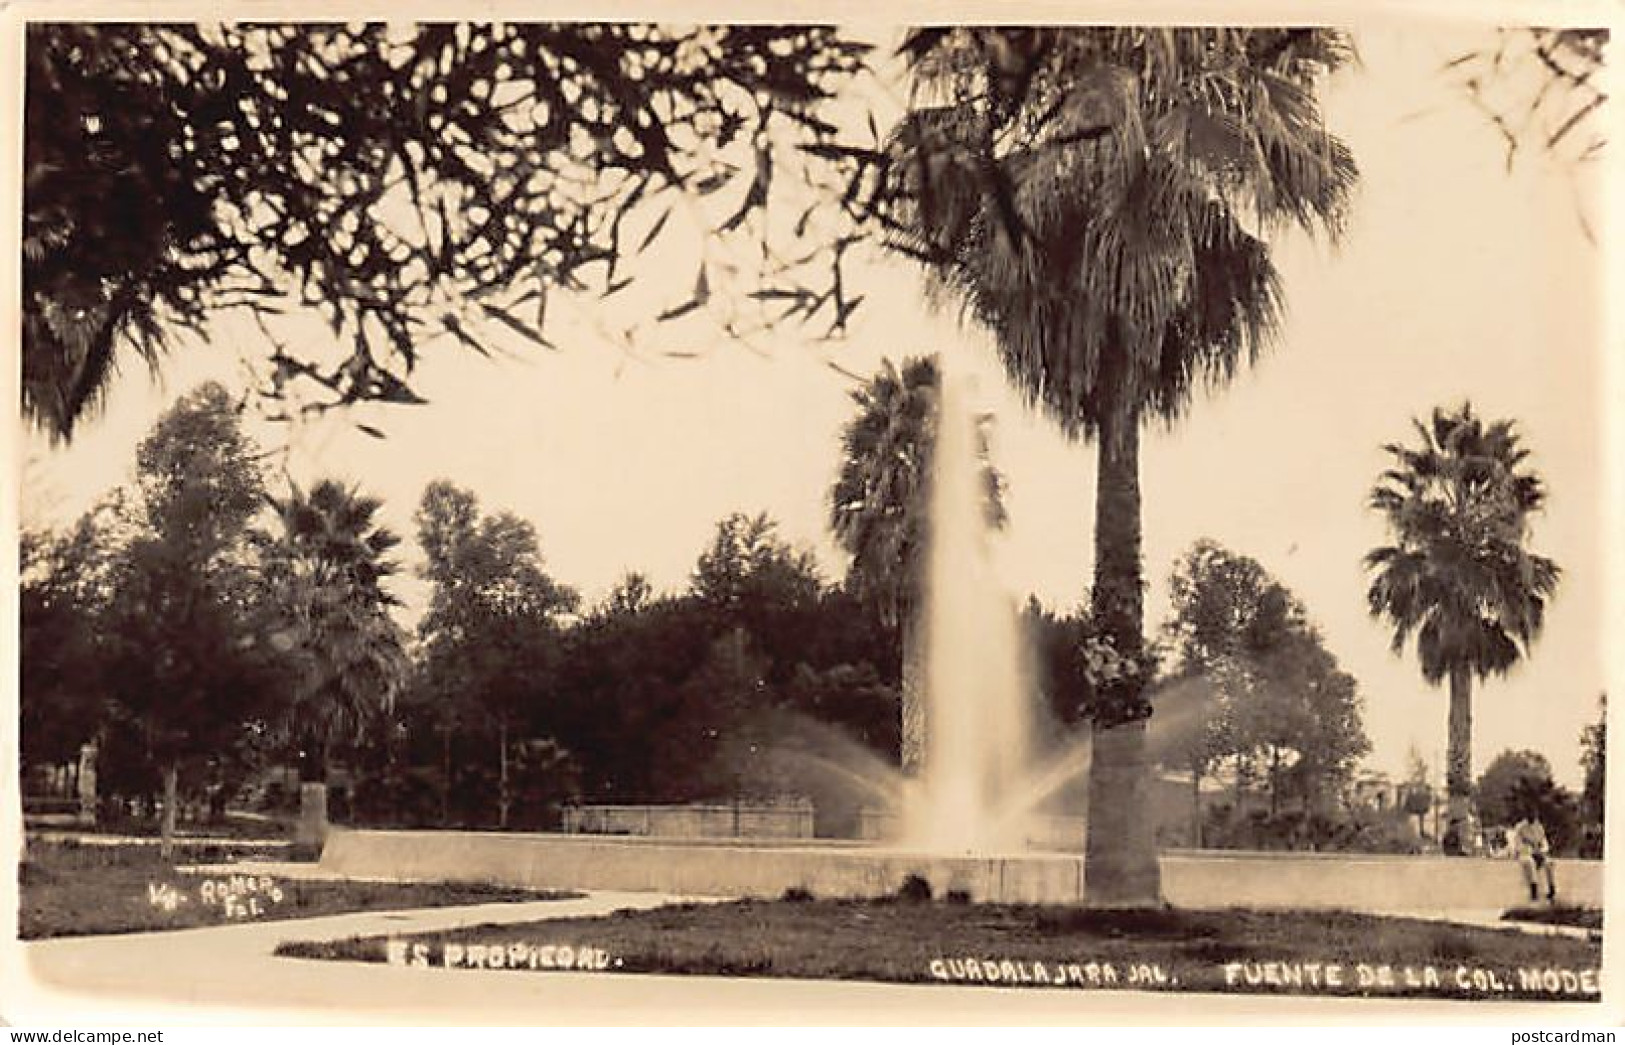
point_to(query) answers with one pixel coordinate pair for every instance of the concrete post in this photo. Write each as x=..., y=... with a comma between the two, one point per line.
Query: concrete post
x=311, y=830
x=87, y=784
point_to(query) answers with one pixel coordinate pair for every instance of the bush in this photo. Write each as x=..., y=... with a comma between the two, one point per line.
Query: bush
x=797, y=894
x=914, y=889
x=1350, y=831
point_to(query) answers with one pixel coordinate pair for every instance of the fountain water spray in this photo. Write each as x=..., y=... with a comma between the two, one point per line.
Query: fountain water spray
x=979, y=710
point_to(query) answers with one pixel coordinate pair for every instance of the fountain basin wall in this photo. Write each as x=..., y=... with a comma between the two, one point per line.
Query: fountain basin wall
x=699, y=867
x=693, y=867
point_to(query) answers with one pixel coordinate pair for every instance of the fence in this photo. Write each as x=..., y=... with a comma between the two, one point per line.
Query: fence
x=734, y=820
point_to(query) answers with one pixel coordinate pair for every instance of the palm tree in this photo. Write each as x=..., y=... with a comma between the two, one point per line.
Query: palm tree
x=878, y=511
x=1459, y=576
x=1100, y=199
x=330, y=561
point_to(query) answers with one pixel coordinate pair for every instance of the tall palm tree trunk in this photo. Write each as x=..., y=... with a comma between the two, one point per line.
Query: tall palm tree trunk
x=1120, y=853
x=913, y=723
x=1459, y=759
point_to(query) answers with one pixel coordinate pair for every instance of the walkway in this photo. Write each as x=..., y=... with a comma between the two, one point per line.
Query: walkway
x=233, y=966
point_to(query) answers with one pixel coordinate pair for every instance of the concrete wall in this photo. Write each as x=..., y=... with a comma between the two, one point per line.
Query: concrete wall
x=694, y=868
x=1363, y=882
x=700, y=868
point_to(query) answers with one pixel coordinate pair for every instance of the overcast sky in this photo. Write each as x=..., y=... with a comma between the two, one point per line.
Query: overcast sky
x=1458, y=279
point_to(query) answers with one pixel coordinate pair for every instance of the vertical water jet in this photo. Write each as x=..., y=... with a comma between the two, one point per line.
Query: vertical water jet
x=978, y=710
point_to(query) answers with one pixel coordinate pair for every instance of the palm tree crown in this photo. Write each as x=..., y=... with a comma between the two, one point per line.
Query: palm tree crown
x=878, y=510
x=878, y=501
x=1459, y=576
x=1099, y=198
x=330, y=560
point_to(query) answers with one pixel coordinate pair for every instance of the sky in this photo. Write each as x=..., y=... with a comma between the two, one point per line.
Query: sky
x=1458, y=278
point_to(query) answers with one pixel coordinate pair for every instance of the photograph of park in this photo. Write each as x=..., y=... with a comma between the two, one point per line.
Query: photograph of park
x=986, y=521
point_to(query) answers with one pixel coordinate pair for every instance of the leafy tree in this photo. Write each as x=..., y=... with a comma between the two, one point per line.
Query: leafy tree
x=618, y=688
x=63, y=593
x=630, y=594
x=1519, y=784
x=490, y=635
x=328, y=560
x=1594, y=761
x=1226, y=607
x=1460, y=576
x=1497, y=785
x=749, y=577
x=748, y=564
x=1302, y=721
x=183, y=661
x=1228, y=614
x=1097, y=198
x=410, y=181
x=852, y=697
x=707, y=713
x=1057, y=642
x=1280, y=701
x=879, y=507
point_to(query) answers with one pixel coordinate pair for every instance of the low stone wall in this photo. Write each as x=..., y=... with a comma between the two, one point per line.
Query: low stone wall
x=701, y=868
x=692, y=821
x=697, y=868
x=1363, y=882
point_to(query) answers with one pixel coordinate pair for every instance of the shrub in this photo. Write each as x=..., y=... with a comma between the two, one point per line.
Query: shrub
x=914, y=889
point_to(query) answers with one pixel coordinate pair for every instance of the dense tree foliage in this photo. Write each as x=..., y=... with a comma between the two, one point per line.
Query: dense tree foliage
x=63, y=592
x=184, y=665
x=491, y=636
x=1273, y=702
x=749, y=572
x=1519, y=784
x=1594, y=795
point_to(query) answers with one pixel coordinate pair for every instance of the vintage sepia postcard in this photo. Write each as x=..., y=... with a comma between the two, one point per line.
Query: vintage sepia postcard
x=926, y=515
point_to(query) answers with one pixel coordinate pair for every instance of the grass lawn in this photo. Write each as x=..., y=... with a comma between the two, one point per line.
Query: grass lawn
x=1297, y=952
x=233, y=826
x=1559, y=914
x=75, y=890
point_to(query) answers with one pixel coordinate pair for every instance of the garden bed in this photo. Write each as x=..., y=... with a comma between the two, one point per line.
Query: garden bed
x=1289, y=952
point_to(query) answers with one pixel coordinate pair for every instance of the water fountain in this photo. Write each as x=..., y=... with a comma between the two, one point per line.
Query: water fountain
x=979, y=707
x=964, y=823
